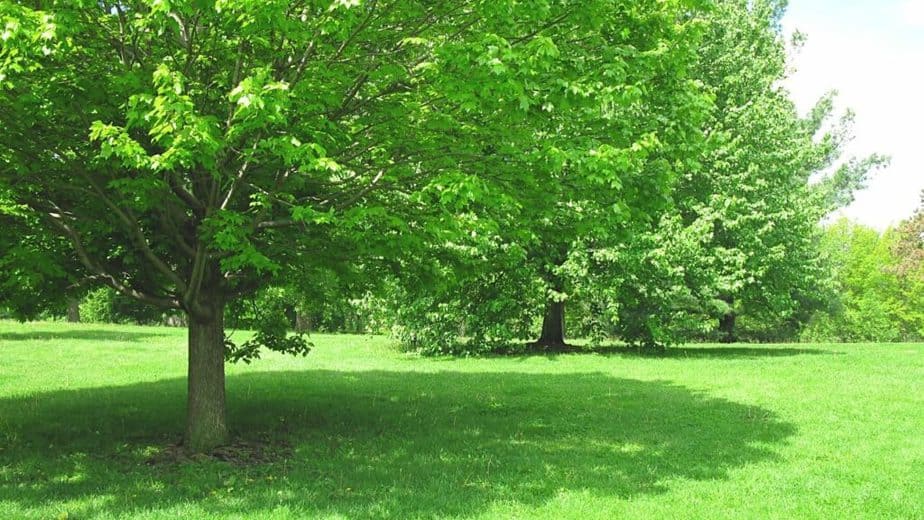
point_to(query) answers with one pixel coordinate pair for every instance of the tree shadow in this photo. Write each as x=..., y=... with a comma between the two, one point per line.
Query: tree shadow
x=696, y=352
x=379, y=444
x=80, y=334
x=718, y=352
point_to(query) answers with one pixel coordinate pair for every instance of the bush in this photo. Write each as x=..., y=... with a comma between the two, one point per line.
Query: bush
x=106, y=305
x=98, y=306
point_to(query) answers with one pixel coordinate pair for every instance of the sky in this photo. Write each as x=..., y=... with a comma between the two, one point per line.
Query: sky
x=872, y=53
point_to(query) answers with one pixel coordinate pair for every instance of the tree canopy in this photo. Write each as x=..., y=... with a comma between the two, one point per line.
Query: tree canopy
x=711, y=221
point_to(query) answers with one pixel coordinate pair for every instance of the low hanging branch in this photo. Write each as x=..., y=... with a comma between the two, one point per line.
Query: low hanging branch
x=58, y=219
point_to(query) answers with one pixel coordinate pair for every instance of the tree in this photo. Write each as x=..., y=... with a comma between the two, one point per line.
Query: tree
x=590, y=203
x=874, y=300
x=768, y=178
x=655, y=289
x=908, y=253
x=594, y=168
x=193, y=151
x=909, y=247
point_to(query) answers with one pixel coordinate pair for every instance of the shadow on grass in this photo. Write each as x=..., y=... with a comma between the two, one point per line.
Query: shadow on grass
x=80, y=334
x=729, y=352
x=698, y=352
x=378, y=444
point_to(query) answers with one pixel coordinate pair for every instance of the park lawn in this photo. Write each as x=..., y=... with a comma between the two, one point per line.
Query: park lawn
x=360, y=430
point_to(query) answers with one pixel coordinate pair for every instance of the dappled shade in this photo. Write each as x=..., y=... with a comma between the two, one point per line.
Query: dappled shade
x=83, y=334
x=711, y=352
x=693, y=352
x=380, y=443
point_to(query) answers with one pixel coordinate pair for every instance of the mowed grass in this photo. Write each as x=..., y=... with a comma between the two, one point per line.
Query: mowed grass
x=743, y=431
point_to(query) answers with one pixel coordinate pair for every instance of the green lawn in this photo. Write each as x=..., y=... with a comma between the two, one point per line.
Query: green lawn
x=804, y=431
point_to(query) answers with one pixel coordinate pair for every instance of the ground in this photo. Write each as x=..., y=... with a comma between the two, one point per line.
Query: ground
x=359, y=430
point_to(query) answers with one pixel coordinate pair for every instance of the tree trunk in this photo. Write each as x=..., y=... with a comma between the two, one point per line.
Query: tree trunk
x=727, y=328
x=302, y=321
x=73, y=310
x=206, y=428
x=553, y=326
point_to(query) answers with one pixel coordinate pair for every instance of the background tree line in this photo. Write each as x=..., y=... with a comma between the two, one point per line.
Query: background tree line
x=872, y=291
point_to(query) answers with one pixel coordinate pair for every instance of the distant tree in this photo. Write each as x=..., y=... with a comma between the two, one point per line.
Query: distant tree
x=872, y=301
x=908, y=251
x=753, y=206
x=909, y=247
x=595, y=168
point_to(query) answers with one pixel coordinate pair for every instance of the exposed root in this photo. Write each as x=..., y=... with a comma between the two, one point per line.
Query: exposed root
x=238, y=453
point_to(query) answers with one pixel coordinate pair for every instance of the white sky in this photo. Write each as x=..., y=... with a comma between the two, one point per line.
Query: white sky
x=872, y=53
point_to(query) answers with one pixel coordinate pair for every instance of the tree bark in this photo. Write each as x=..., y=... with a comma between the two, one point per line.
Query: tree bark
x=727, y=328
x=73, y=310
x=206, y=426
x=553, y=326
x=553, y=323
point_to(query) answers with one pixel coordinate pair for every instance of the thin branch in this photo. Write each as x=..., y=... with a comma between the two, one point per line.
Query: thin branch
x=58, y=219
x=359, y=28
x=195, y=204
x=240, y=174
x=138, y=234
x=552, y=23
x=363, y=191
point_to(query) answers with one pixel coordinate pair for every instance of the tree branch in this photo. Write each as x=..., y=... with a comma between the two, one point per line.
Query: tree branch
x=58, y=219
x=138, y=234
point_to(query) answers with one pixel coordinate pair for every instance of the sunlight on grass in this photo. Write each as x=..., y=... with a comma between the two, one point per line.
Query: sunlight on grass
x=814, y=431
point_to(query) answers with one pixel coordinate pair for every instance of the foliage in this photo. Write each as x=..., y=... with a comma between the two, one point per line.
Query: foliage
x=588, y=169
x=653, y=290
x=97, y=307
x=38, y=274
x=725, y=228
x=192, y=153
x=461, y=307
x=232, y=145
x=106, y=305
x=909, y=246
x=753, y=206
x=272, y=333
x=874, y=303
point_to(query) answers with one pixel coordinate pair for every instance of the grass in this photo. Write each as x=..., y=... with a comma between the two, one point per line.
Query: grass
x=806, y=431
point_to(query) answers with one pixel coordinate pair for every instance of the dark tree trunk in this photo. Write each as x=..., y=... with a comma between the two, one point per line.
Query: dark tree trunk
x=553, y=323
x=553, y=326
x=727, y=328
x=73, y=310
x=206, y=427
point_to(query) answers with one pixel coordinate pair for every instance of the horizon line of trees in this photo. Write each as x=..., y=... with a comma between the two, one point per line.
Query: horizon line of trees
x=874, y=292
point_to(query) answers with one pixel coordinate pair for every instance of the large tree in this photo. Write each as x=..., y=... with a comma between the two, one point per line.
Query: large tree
x=596, y=167
x=753, y=207
x=193, y=151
